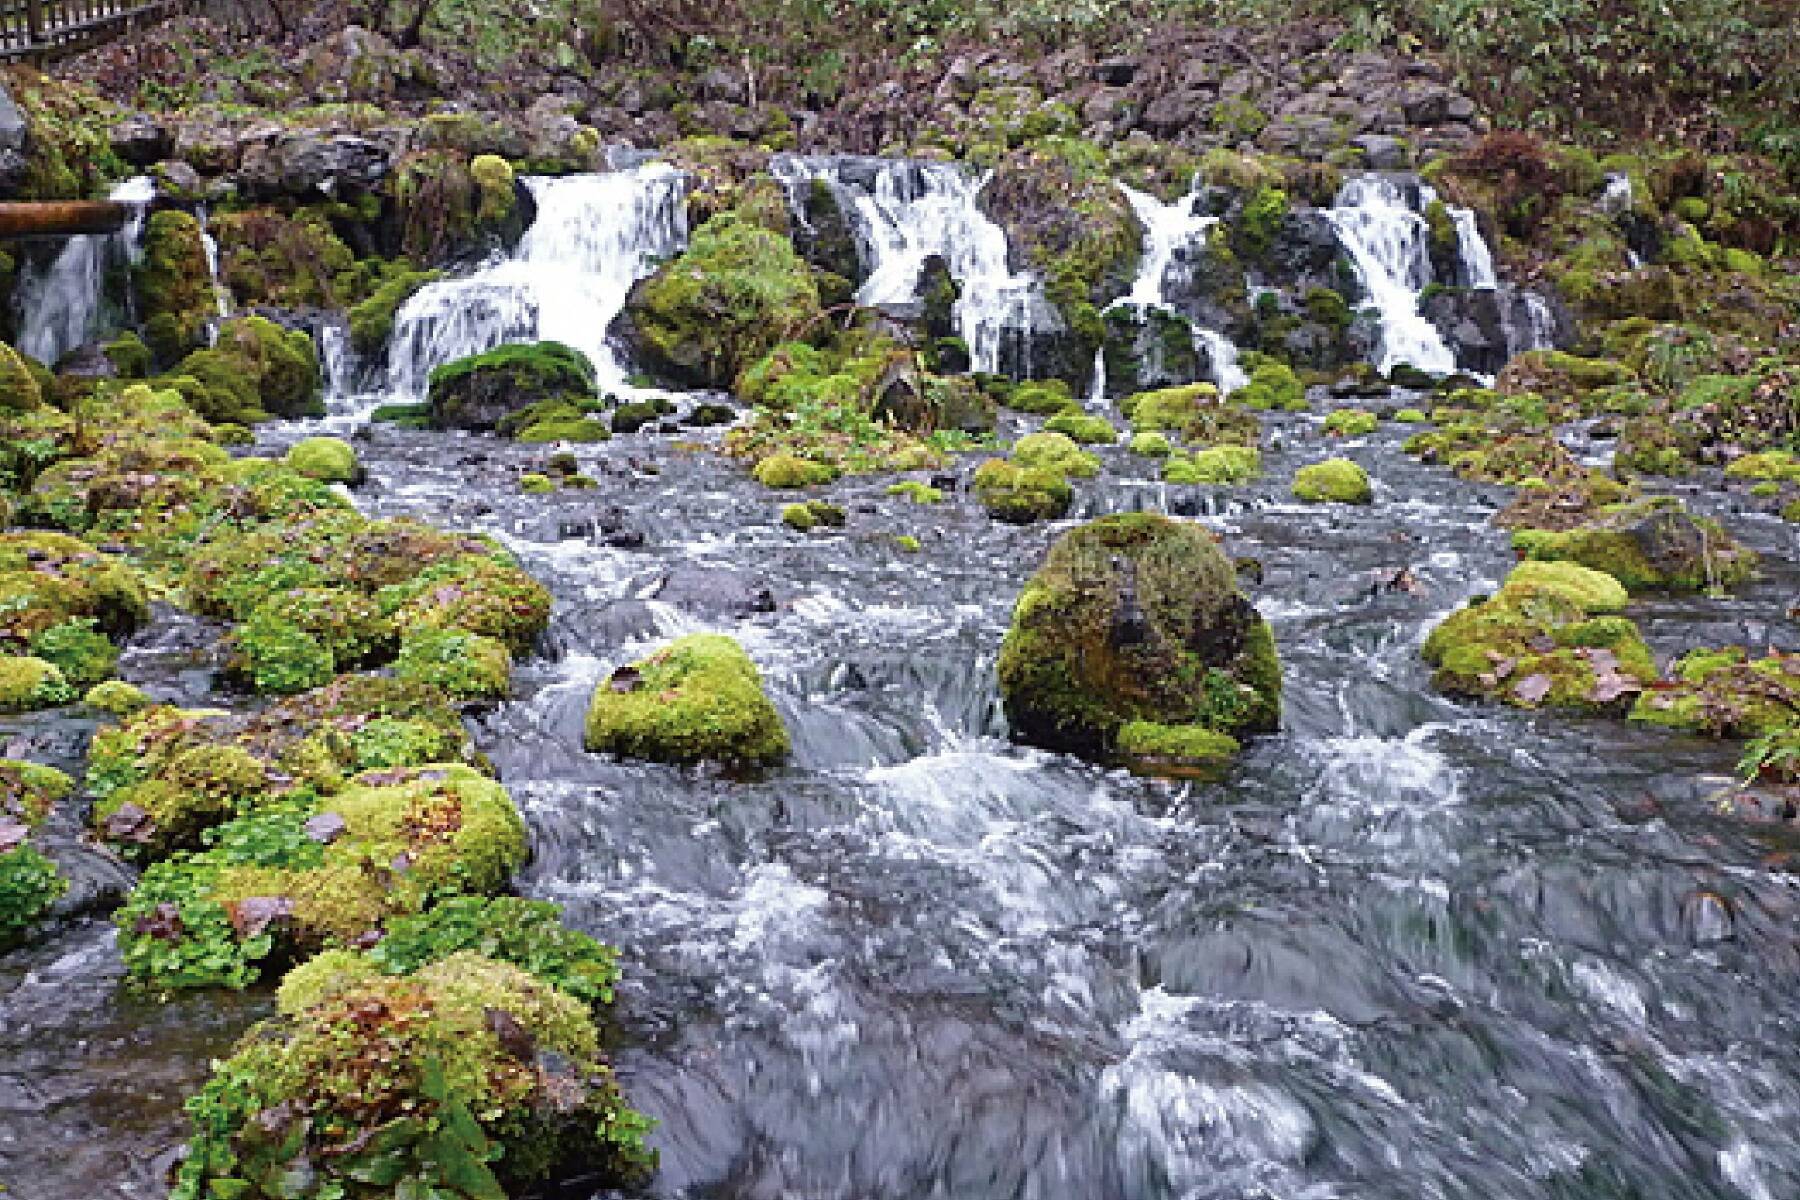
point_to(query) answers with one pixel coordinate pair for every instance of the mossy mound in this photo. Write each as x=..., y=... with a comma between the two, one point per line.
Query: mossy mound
x=468, y=666
x=1350, y=423
x=1534, y=645
x=1194, y=413
x=697, y=699
x=173, y=286
x=306, y=875
x=1273, y=385
x=1215, y=464
x=1135, y=618
x=734, y=294
x=327, y=459
x=1040, y=398
x=1647, y=545
x=812, y=514
x=1020, y=495
x=469, y=1078
x=28, y=791
x=163, y=776
x=28, y=683
x=1334, y=481
x=1054, y=452
x=1085, y=428
x=1726, y=693
x=255, y=370
x=481, y=392
x=1594, y=591
x=49, y=579
x=790, y=471
x=1177, y=751
x=29, y=885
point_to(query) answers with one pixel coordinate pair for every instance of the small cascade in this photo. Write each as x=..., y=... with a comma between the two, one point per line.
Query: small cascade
x=60, y=305
x=1167, y=229
x=594, y=236
x=905, y=212
x=1617, y=199
x=1389, y=243
x=1477, y=261
x=220, y=292
x=337, y=366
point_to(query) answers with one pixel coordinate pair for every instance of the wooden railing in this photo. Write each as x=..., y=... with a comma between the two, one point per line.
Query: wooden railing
x=45, y=29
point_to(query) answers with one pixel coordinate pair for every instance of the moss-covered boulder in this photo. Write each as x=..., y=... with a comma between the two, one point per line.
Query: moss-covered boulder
x=1334, y=481
x=1648, y=545
x=28, y=683
x=1543, y=640
x=786, y=471
x=50, y=579
x=172, y=284
x=697, y=699
x=305, y=875
x=1136, y=618
x=1086, y=428
x=1193, y=412
x=1726, y=693
x=372, y=319
x=1350, y=423
x=254, y=371
x=1055, y=452
x=1020, y=495
x=734, y=294
x=1214, y=465
x=469, y=1077
x=327, y=459
x=484, y=390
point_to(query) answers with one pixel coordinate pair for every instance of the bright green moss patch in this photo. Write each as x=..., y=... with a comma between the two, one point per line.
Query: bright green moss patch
x=1273, y=385
x=78, y=649
x=465, y=665
x=28, y=683
x=789, y=471
x=1086, y=428
x=1647, y=545
x=1215, y=464
x=1594, y=591
x=116, y=698
x=372, y=320
x=699, y=698
x=327, y=459
x=1054, y=452
x=1020, y=495
x=483, y=391
x=917, y=492
x=1151, y=444
x=29, y=885
x=1040, y=397
x=1334, y=481
x=1350, y=422
x=812, y=514
x=1181, y=751
x=1135, y=618
x=1726, y=693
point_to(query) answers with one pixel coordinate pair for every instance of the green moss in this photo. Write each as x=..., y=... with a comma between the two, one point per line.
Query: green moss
x=116, y=698
x=425, y=1077
x=812, y=514
x=1216, y=464
x=28, y=791
x=1182, y=751
x=29, y=885
x=732, y=296
x=19, y=388
x=465, y=665
x=327, y=459
x=1350, y=422
x=1054, y=452
x=1772, y=464
x=1411, y=416
x=255, y=369
x=1594, y=591
x=533, y=484
x=907, y=543
x=28, y=683
x=75, y=647
x=1041, y=397
x=1334, y=481
x=1151, y=444
x=372, y=320
x=1273, y=385
x=1135, y=618
x=496, y=186
x=1020, y=495
x=129, y=356
x=918, y=493
x=483, y=390
x=789, y=471
x=581, y=430
x=1725, y=693
x=1086, y=428
x=173, y=285
x=699, y=698
x=1647, y=545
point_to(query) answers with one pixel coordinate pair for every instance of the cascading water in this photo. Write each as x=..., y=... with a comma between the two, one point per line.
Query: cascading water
x=221, y=294
x=594, y=236
x=1168, y=228
x=1477, y=261
x=60, y=305
x=1389, y=243
x=904, y=212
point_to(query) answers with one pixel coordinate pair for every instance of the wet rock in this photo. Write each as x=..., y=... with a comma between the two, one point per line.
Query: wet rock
x=15, y=144
x=715, y=591
x=1116, y=71
x=141, y=140
x=1382, y=152
x=308, y=165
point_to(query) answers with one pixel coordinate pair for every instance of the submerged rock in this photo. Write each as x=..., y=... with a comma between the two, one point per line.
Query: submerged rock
x=698, y=699
x=1136, y=618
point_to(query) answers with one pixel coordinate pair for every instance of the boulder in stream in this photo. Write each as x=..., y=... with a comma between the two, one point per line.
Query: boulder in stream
x=1648, y=545
x=483, y=391
x=1135, y=622
x=697, y=699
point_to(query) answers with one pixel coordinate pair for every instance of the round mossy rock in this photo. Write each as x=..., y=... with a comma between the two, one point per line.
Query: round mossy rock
x=697, y=699
x=1136, y=618
x=327, y=459
x=1334, y=481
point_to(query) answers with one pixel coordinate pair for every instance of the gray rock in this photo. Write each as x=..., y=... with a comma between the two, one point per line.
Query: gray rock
x=141, y=140
x=1383, y=153
x=15, y=132
x=1116, y=71
x=307, y=164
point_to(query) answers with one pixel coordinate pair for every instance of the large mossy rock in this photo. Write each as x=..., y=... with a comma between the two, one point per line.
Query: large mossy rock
x=1136, y=619
x=480, y=392
x=254, y=371
x=697, y=699
x=736, y=293
x=470, y=1077
x=1647, y=545
x=173, y=286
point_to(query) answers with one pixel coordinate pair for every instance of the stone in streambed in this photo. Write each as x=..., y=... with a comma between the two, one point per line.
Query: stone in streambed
x=697, y=699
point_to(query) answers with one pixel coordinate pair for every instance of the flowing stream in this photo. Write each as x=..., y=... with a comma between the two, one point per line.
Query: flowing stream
x=60, y=304
x=1406, y=948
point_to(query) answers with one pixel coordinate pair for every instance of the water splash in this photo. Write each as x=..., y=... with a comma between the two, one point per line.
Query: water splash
x=60, y=306
x=594, y=236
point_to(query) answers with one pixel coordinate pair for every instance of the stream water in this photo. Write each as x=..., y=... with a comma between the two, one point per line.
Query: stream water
x=1406, y=948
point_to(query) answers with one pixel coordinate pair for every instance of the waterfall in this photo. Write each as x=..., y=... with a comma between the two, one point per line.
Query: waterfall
x=1389, y=244
x=1476, y=259
x=904, y=212
x=594, y=236
x=337, y=364
x=1168, y=228
x=59, y=305
x=1617, y=198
